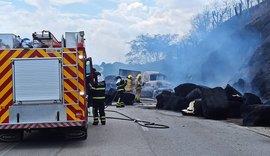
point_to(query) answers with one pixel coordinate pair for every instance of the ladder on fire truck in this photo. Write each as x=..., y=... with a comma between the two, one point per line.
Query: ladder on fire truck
x=74, y=51
x=49, y=41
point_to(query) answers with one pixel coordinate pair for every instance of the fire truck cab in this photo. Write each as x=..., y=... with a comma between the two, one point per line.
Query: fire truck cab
x=43, y=85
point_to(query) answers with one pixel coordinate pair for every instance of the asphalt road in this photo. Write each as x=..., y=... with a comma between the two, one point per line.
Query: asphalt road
x=186, y=136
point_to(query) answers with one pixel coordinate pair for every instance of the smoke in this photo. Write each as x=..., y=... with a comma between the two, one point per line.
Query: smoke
x=211, y=58
x=221, y=57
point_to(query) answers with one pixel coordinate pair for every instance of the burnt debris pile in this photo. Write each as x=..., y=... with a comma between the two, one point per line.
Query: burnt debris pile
x=216, y=103
x=112, y=96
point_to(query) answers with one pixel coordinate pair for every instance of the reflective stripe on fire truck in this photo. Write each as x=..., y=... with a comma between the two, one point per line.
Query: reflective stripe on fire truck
x=6, y=96
x=41, y=125
x=70, y=84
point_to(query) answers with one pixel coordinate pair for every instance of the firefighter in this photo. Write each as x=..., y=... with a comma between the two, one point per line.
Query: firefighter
x=129, y=87
x=89, y=83
x=138, y=87
x=90, y=79
x=120, y=83
x=98, y=91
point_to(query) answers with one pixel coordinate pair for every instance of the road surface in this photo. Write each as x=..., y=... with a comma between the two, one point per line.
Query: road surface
x=186, y=136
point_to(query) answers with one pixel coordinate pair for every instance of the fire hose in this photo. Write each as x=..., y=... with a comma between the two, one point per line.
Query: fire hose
x=142, y=123
x=139, y=122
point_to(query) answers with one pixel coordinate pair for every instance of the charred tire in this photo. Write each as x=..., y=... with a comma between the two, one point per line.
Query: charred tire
x=198, y=107
x=214, y=103
x=257, y=115
x=128, y=98
x=235, y=109
x=251, y=99
x=161, y=98
x=184, y=89
x=233, y=94
x=193, y=95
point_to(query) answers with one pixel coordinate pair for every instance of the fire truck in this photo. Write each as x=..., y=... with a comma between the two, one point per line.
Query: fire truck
x=43, y=85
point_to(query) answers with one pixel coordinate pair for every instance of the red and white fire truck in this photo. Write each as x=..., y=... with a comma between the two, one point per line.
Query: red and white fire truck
x=42, y=86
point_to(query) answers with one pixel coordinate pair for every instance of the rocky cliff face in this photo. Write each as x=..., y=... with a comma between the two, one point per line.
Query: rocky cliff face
x=259, y=64
x=244, y=52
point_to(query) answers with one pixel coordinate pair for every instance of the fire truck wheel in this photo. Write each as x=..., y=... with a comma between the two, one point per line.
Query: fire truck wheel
x=79, y=133
x=11, y=135
x=84, y=132
x=85, y=136
x=21, y=135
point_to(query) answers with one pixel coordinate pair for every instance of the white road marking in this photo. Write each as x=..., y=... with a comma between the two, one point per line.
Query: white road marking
x=144, y=128
x=7, y=149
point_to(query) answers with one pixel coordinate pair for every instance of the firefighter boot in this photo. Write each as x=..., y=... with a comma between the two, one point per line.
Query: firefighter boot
x=118, y=104
x=103, y=120
x=95, y=121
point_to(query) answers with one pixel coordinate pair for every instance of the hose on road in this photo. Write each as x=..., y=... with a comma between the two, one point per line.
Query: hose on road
x=142, y=123
x=139, y=122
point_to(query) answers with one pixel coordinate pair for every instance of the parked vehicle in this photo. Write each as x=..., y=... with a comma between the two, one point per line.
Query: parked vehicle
x=154, y=83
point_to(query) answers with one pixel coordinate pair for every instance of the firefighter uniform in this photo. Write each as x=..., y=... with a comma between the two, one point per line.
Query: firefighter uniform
x=98, y=91
x=138, y=87
x=120, y=90
x=128, y=87
x=89, y=81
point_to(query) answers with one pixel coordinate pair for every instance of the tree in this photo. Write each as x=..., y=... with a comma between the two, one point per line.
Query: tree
x=151, y=48
x=202, y=21
x=221, y=11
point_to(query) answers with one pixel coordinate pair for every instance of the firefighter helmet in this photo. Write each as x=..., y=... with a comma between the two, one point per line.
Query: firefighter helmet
x=100, y=78
x=130, y=77
x=97, y=73
x=139, y=76
x=118, y=78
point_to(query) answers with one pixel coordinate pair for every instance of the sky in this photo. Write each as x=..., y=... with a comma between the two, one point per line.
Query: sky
x=108, y=24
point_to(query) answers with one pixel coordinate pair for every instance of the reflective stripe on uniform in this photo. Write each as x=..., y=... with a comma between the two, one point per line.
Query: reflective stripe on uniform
x=120, y=103
x=99, y=98
x=123, y=85
x=95, y=118
x=98, y=88
x=103, y=118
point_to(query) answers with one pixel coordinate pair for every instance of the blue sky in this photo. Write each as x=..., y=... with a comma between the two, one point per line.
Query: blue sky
x=108, y=24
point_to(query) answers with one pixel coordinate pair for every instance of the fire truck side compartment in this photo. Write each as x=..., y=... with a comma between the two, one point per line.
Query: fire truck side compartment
x=36, y=80
x=38, y=113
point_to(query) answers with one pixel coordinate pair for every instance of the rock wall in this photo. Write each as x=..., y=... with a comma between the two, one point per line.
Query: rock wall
x=259, y=64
